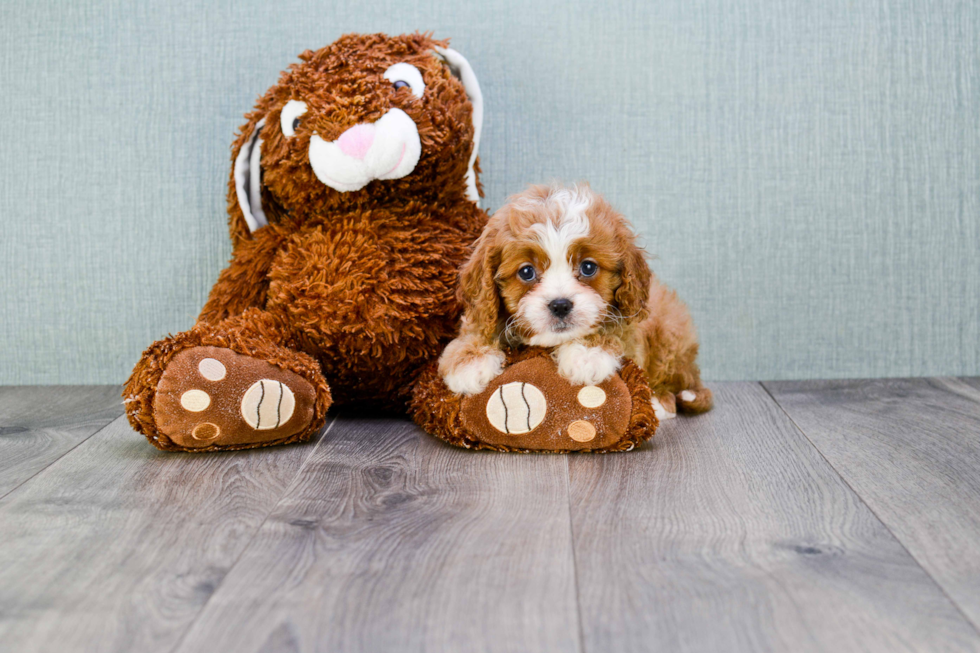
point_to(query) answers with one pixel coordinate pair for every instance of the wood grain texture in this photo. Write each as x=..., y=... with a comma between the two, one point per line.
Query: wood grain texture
x=732, y=533
x=911, y=449
x=393, y=541
x=117, y=546
x=38, y=425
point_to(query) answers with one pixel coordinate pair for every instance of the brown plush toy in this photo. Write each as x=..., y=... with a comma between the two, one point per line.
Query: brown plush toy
x=531, y=408
x=353, y=202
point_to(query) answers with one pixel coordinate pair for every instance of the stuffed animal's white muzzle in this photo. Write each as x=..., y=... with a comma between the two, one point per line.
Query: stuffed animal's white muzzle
x=386, y=149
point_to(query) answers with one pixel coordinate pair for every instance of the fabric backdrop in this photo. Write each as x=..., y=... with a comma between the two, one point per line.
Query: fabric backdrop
x=807, y=174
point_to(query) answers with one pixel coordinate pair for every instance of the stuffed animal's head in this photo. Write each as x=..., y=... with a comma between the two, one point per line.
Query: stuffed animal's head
x=367, y=120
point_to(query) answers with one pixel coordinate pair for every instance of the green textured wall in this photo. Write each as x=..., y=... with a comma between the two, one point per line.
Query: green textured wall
x=807, y=173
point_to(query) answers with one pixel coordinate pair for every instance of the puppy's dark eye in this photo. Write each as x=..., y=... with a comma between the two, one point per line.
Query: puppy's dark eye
x=295, y=124
x=400, y=84
x=527, y=273
x=588, y=268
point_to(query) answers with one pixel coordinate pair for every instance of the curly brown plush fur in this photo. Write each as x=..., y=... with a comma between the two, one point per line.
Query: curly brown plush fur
x=351, y=289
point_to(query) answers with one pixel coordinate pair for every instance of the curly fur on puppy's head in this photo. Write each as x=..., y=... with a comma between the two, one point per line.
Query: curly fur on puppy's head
x=552, y=265
x=368, y=120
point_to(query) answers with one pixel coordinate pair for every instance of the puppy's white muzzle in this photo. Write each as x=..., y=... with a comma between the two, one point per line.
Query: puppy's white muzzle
x=387, y=149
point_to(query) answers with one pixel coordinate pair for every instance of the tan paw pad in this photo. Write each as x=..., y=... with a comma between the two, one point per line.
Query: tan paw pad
x=267, y=404
x=206, y=431
x=195, y=400
x=591, y=396
x=516, y=408
x=581, y=431
x=212, y=369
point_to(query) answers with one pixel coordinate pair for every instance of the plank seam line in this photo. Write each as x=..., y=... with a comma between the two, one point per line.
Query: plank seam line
x=881, y=521
x=571, y=535
x=65, y=453
x=949, y=384
x=251, y=541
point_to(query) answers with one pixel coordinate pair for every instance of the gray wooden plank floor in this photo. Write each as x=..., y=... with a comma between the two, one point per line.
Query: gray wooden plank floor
x=734, y=534
x=389, y=541
x=117, y=546
x=911, y=449
x=38, y=425
x=837, y=516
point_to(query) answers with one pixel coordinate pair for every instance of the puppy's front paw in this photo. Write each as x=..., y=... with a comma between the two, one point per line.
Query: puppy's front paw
x=473, y=376
x=583, y=365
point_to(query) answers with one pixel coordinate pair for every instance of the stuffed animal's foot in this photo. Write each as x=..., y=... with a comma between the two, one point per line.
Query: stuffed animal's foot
x=212, y=397
x=530, y=406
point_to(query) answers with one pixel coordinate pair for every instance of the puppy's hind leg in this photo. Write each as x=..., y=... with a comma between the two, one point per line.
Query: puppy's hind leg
x=685, y=382
x=695, y=400
x=670, y=351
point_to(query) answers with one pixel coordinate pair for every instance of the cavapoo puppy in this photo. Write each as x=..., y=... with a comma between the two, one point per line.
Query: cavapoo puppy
x=558, y=267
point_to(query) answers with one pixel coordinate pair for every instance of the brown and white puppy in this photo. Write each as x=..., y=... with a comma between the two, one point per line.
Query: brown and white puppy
x=559, y=267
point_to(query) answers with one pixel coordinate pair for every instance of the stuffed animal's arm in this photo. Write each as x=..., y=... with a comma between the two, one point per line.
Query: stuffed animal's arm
x=245, y=282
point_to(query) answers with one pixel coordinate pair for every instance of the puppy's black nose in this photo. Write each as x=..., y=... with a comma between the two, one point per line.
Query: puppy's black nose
x=560, y=307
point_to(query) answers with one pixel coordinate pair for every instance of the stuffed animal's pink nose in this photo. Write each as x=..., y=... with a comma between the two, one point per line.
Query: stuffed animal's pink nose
x=356, y=141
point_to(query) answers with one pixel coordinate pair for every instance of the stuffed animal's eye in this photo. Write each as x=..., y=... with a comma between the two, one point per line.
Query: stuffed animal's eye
x=403, y=75
x=588, y=268
x=289, y=117
x=527, y=273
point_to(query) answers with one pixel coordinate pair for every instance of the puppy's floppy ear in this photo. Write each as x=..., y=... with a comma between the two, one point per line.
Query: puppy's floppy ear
x=245, y=189
x=462, y=70
x=477, y=291
x=634, y=289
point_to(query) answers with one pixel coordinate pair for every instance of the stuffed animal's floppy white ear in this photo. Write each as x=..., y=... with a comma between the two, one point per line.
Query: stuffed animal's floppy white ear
x=461, y=68
x=248, y=179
